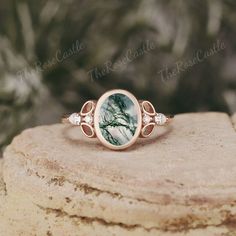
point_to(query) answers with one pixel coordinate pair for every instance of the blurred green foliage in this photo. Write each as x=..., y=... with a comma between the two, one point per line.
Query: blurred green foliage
x=54, y=55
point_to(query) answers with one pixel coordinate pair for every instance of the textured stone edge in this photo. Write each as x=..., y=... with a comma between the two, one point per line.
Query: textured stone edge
x=83, y=220
x=91, y=188
x=233, y=120
x=3, y=190
x=226, y=221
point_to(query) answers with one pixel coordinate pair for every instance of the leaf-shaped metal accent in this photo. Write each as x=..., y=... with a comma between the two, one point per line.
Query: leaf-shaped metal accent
x=87, y=108
x=148, y=108
x=147, y=130
x=88, y=130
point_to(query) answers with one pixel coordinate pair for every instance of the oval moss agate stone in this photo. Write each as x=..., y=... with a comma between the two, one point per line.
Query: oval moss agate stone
x=118, y=119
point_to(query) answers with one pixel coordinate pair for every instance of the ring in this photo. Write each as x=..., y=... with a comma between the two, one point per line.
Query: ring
x=117, y=119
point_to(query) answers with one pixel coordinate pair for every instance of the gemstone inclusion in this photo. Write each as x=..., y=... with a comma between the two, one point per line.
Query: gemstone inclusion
x=118, y=119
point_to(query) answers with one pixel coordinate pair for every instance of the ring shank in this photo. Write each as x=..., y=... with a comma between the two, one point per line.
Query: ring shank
x=170, y=119
x=65, y=120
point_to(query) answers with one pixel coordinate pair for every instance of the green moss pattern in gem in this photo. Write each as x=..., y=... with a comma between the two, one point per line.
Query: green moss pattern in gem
x=118, y=119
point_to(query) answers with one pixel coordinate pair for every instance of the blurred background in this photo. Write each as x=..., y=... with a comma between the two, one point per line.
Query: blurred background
x=55, y=55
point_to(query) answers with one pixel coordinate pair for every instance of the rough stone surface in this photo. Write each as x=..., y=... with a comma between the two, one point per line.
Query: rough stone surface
x=180, y=181
x=234, y=120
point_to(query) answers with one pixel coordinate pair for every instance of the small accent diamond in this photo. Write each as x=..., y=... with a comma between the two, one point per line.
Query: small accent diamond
x=160, y=119
x=146, y=119
x=75, y=119
x=88, y=119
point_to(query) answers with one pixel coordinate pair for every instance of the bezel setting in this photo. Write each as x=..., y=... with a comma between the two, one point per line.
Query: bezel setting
x=97, y=111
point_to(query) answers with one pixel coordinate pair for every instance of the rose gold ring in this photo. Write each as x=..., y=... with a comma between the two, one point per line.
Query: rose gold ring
x=117, y=119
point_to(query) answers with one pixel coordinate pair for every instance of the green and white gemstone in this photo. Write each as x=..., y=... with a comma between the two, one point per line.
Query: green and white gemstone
x=118, y=119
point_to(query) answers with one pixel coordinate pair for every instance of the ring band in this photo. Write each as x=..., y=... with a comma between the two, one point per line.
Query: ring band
x=117, y=119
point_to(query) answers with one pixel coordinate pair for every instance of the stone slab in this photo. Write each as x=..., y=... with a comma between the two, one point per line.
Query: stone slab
x=180, y=181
